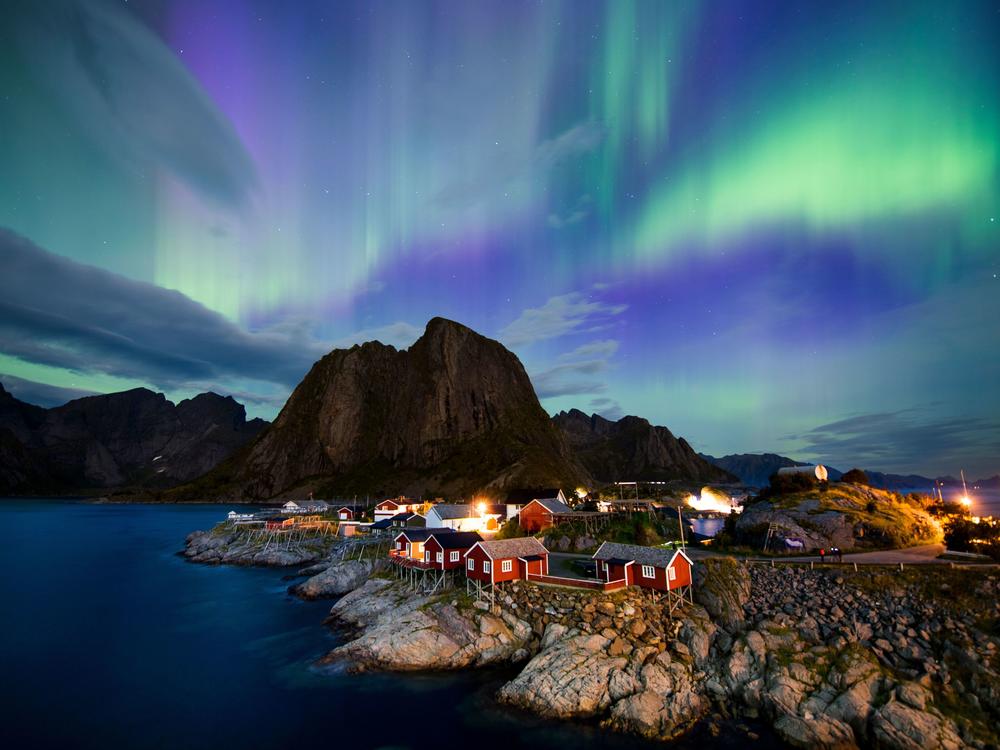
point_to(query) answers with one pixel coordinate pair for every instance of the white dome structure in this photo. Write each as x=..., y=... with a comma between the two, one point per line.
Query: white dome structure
x=817, y=471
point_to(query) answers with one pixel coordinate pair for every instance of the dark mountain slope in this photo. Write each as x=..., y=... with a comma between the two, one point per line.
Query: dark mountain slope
x=130, y=439
x=455, y=413
x=633, y=449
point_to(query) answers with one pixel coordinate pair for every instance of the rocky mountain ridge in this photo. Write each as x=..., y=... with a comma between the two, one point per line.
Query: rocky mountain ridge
x=633, y=449
x=134, y=438
x=454, y=413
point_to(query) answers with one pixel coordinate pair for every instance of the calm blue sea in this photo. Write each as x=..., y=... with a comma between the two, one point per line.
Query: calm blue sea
x=109, y=639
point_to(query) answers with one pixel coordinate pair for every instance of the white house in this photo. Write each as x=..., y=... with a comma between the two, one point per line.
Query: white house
x=467, y=517
x=292, y=507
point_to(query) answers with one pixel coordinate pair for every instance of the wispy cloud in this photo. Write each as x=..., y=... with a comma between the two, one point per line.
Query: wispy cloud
x=602, y=349
x=901, y=440
x=42, y=394
x=560, y=315
x=507, y=174
x=577, y=371
x=57, y=312
x=133, y=96
x=607, y=408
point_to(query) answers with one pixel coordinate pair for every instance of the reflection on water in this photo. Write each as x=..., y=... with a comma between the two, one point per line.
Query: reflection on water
x=110, y=639
x=707, y=526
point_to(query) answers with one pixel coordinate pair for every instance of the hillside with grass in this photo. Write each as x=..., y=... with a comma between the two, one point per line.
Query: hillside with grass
x=844, y=515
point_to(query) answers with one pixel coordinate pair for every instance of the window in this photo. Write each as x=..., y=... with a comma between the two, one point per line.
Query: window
x=671, y=574
x=470, y=564
x=440, y=556
x=454, y=555
x=506, y=566
x=427, y=555
x=487, y=567
x=648, y=572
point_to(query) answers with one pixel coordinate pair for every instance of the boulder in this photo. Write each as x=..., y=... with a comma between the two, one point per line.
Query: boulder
x=569, y=679
x=339, y=578
x=897, y=726
x=433, y=635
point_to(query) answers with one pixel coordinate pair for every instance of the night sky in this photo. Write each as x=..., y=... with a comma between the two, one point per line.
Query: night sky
x=768, y=226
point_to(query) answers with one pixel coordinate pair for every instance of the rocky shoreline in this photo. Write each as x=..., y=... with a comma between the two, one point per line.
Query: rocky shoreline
x=829, y=657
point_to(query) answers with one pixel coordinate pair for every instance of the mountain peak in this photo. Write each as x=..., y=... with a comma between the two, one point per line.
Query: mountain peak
x=454, y=413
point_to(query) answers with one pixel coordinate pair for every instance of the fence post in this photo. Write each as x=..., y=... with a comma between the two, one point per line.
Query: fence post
x=855, y=567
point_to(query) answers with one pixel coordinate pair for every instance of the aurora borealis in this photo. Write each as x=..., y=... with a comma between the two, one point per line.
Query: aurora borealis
x=770, y=226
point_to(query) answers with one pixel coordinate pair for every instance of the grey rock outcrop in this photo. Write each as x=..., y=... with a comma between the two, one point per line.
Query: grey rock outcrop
x=338, y=578
x=429, y=634
x=223, y=546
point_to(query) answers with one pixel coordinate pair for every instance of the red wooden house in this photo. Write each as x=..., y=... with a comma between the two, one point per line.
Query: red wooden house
x=541, y=514
x=445, y=551
x=409, y=543
x=506, y=560
x=648, y=567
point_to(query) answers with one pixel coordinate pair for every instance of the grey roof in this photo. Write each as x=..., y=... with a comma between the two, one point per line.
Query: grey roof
x=385, y=523
x=457, y=539
x=659, y=558
x=523, y=546
x=554, y=506
x=420, y=535
x=402, y=516
x=447, y=511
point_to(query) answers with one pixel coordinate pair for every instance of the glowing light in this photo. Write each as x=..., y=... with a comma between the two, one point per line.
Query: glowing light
x=712, y=501
x=481, y=506
x=966, y=501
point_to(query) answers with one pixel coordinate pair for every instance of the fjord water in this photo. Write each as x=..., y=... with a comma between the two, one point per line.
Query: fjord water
x=110, y=639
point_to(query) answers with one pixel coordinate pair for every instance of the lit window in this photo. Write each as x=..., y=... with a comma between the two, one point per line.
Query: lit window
x=454, y=555
x=671, y=574
x=506, y=566
x=487, y=567
x=470, y=564
x=648, y=572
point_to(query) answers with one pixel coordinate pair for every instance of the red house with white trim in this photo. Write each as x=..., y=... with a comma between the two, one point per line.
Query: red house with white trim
x=506, y=560
x=409, y=543
x=395, y=506
x=445, y=551
x=648, y=567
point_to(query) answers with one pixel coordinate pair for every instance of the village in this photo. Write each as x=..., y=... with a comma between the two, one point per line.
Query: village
x=615, y=608
x=481, y=546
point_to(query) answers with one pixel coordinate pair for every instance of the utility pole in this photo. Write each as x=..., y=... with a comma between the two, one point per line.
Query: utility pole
x=680, y=524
